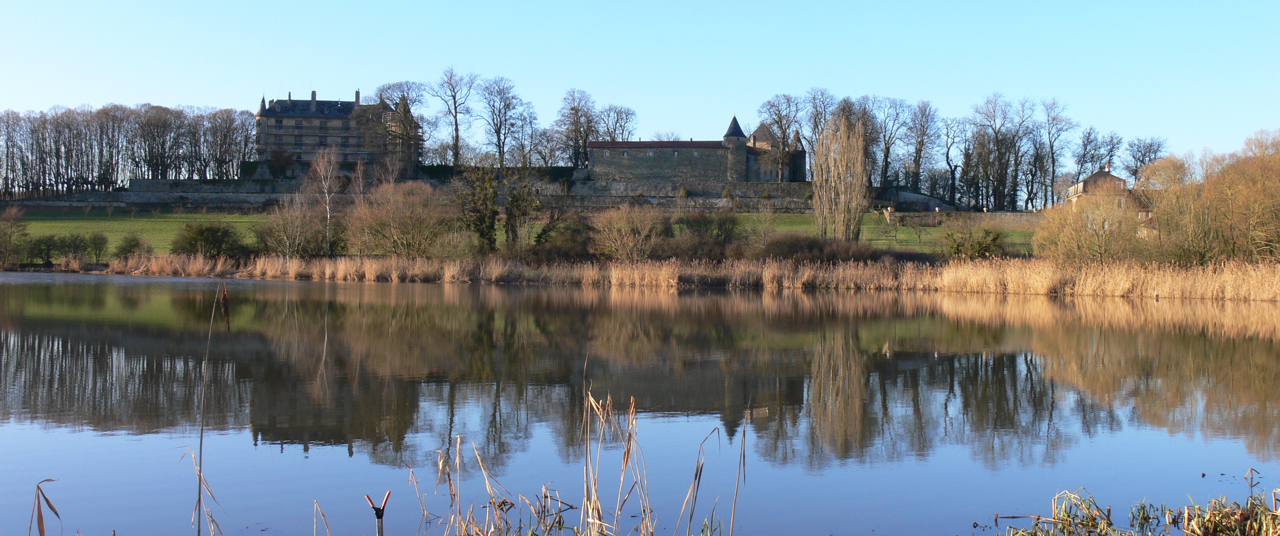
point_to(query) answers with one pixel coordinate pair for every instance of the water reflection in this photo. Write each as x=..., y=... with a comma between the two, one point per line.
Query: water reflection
x=395, y=371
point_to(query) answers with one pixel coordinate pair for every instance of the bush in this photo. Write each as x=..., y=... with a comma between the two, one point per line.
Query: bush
x=969, y=243
x=98, y=246
x=399, y=219
x=43, y=248
x=73, y=245
x=702, y=236
x=293, y=229
x=209, y=239
x=809, y=248
x=132, y=245
x=13, y=236
x=564, y=237
x=629, y=233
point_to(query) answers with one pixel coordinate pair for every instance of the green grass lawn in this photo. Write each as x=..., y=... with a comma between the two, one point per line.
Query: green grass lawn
x=879, y=234
x=160, y=228
x=156, y=228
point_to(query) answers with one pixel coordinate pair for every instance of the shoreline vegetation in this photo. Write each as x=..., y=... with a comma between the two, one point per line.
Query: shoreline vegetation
x=1233, y=281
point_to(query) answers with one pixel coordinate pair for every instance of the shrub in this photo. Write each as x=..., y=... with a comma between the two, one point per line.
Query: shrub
x=13, y=235
x=969, y=243
x=98, y=246
x=293, y=229
x=564, y=237
x=809, y=248
x=399, y=219
x=629, y=233
x=73, y=245
x=43, y=248
x=215, y=239
x=683, y=193
x=132, y=245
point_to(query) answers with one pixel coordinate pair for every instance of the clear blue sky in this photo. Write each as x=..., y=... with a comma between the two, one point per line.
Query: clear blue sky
x=1201, y=74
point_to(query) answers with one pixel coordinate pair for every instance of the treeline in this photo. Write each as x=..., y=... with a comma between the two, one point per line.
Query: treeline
x=67, y=150
x=1220, y=208
x=1004, y=155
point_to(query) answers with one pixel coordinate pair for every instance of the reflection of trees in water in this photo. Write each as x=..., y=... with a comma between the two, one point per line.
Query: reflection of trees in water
x=396, y=371
x=84, y=377
x=873, y=407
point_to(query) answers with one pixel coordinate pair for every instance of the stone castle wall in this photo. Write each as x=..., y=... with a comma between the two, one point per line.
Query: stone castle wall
x=659, y=164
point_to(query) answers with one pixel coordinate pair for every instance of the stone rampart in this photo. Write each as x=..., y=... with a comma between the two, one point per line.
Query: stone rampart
x=238, y=186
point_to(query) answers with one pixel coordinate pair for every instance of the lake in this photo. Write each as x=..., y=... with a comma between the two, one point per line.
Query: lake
x=857, y=413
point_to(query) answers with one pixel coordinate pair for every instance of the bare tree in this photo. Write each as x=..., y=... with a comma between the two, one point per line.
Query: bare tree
x=839, y=180
x=453, y=89
x=617, y=123
x=1140, y=152
x=819, y=104
x=501, y=105
x=1056, y=124
x=666, y=136
x=892, y=116
x=413, y=92
x=955, y=136
x=577, y=125
x=781, y=115
x=324, y=181
x=922, y=133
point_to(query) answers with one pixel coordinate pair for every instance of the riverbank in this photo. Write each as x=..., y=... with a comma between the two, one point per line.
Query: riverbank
x=1226, y=281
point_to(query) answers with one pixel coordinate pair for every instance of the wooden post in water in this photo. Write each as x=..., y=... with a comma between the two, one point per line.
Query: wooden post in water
x=377, y=510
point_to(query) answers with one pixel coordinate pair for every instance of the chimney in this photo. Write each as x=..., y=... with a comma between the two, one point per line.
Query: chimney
x=290, y=97
x=1108, y=169
x=357, y=97
x=313, y=100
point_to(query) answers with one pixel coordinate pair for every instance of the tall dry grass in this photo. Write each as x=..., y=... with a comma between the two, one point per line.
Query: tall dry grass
x=1235, y=280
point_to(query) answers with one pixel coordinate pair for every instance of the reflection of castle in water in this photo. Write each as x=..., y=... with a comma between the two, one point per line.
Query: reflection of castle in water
x=396, y=378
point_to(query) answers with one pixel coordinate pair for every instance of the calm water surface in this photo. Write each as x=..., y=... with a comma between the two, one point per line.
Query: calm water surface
x=887, y=414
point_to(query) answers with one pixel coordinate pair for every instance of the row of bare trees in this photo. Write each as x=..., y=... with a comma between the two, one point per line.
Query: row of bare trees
x=1005, y=155
x=65, y=150
x=511, y=134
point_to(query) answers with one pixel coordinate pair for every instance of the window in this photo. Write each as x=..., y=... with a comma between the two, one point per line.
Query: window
x=650, y=153
x=675, y=153
x=297, y=140
x=624, y=153
x=606, y=153
x=324, y=126
x=324, y=141
x=297, y=125
x=279, y=124
x=279, y=139
x=345, y=157
x=346, y=141
x=695, y=153
x=346, y=126
x=297, y=157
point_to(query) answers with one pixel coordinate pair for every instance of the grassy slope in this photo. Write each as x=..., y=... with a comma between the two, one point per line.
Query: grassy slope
x=880, y=235
x=158, y=229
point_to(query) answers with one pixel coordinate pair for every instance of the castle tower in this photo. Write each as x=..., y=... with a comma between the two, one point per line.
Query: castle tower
x=736, y=141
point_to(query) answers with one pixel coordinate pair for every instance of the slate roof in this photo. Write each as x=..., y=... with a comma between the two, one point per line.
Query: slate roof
x=734, y=129
x=655, y=145
x=325, y=109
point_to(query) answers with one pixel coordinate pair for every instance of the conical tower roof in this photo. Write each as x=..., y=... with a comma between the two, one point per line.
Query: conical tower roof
x=734, y=131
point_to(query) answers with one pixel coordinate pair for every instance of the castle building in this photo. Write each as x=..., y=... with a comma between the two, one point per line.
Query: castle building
x=736, y=158
x=302, y=128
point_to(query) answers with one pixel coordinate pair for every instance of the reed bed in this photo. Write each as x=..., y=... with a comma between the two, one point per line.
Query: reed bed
x=1037, y=277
